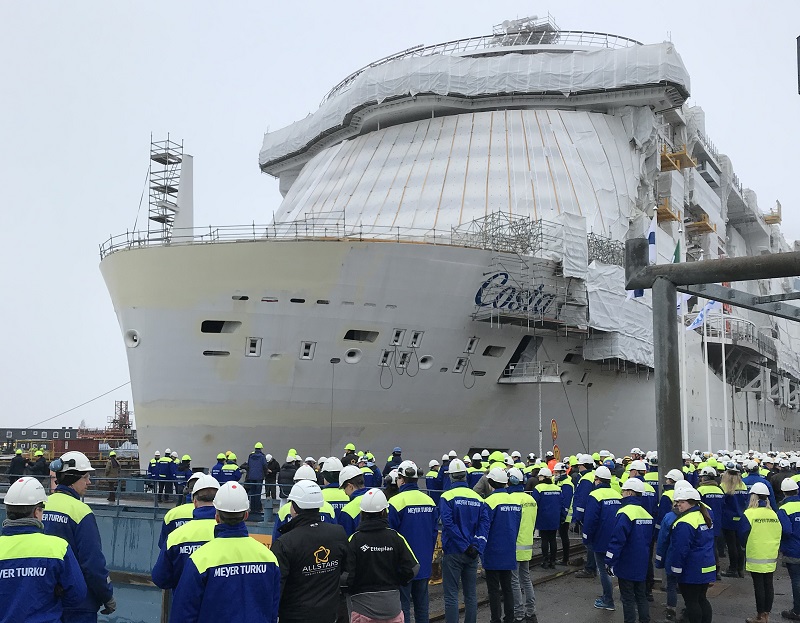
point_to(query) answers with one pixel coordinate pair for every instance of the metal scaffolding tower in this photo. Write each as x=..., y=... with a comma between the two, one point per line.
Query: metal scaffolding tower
x=165, y=171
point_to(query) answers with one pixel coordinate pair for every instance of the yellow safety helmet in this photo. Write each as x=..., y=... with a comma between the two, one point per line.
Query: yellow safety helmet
x=221, y=456
x=350, y=447
x=112, y=453
x=231, y=457
x=186, y=457
x=258, y=445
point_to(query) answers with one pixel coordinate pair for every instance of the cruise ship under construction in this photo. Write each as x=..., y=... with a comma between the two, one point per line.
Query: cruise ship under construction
x=445, y=269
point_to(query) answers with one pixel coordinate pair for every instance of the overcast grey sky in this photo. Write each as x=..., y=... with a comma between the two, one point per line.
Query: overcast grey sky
x=84, y=84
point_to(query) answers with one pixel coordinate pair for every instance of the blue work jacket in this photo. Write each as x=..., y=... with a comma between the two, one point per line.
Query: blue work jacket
x=598, y=521
x=414, y=515
x=505, y=517
x=690, y=555
x=230, y=578
x=465, y=519
x=628, y=552
x=548, y=500
x=181, y=544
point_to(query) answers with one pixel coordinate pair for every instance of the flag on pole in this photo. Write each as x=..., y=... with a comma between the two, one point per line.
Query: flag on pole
x=652, y=254
x=701, y=317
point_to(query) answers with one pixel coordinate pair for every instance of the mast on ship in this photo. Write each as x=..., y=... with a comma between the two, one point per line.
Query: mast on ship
x=171, y=209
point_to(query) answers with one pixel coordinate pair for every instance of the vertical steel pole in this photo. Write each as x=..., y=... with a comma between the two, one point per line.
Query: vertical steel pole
x=667, y=372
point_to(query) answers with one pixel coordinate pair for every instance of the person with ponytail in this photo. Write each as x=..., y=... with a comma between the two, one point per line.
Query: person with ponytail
x=733, y=506
x=690, y=555
x=760, y=530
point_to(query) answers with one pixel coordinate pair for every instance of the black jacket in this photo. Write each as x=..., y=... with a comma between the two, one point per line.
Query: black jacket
x=16, y=466
x=271, y=473
x=40, y=467
x=286, y=478
x=379, y=559
x=312, y=555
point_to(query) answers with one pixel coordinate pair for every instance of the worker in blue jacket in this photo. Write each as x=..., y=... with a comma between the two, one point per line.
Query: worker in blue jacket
x=563, y=480
x=690, y=555
x=182, y=542
x=465, y=528
x=583, y=487
x=714, y=498
x=232, y=577
x=230, y=472
x=217, y=469
x=598, y=523
x=628, y=550
x=166, y=471
x=72, y=520
x=548, y=517
x=414, y=515
x=662, y=546
x=789, y=514
x=500, y=555
x=735, y=503
x=58, y=581
x=152, y=471
x=175, y=517
x=351, y=481
x=256, y=472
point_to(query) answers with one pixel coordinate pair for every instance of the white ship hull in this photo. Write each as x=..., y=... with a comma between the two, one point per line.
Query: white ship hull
x=203, y=404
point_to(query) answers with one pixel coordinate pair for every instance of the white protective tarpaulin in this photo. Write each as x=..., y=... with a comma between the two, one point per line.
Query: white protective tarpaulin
x=567, y=73
x=628, y=322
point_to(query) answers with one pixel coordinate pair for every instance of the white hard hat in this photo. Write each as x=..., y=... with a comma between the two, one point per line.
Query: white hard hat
x=603, y=473
x=167, y=451
x=682, y=484
x=231, y=498
x=452, y=454
x=586, y=459
x=708, y=471
x=604, y=453
x=636, y=451
x=485, y=453
x=305, y=472
x=74, y=461
x=297, y=457
x=204, y=481
x=476, y=456
x=174, y=455
x=633, y=484
x=686, y=493
x=445, y=457
x=508, y=460
x=638, y=465
x=787, y=485
x=685, y=455
x=545, y=472
x=516, y=453
x=674, y=475
x=333, y=464
x=157, y=453
x=456, y=467
x=290, y=458
x=407, y=469
x=25, y=491
x=322, y=460
x=194, y=476
x=268, y=457
x=783, y=463
x=531, y=456
x=516, y=474
x=306, y=494
x=310, y=459
x=432, y=463
x=374, y=501
x=347, y=473
x=759, y=488
x=498, y=475
x=559, y=467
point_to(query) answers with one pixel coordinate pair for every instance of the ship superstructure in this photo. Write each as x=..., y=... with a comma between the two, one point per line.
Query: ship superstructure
x=445, y=267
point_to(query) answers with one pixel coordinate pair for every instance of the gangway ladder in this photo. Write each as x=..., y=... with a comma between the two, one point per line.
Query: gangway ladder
x=165, y=171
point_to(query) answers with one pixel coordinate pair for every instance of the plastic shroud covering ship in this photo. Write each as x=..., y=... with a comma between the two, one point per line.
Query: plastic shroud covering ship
x=445, y=269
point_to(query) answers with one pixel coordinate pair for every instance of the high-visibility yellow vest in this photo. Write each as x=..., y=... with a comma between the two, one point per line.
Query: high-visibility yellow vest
x=527, y=525
x=761, y=553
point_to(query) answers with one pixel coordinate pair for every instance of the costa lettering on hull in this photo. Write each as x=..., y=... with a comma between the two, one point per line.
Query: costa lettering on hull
x=511, y=297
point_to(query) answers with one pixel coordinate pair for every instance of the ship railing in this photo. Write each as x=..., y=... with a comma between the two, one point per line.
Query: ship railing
x=536, y=369
x=500, y=233
x=473, y=45
x=737, y=331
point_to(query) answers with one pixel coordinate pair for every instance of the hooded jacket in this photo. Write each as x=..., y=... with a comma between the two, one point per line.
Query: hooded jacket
x=690, y=555
x=312, y=556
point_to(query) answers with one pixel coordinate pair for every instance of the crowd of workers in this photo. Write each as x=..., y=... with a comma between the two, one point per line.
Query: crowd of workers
x=352, y=542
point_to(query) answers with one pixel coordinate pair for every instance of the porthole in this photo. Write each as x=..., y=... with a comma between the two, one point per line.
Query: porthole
x=132, y=338
x=425, y=362
x=353, y=355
